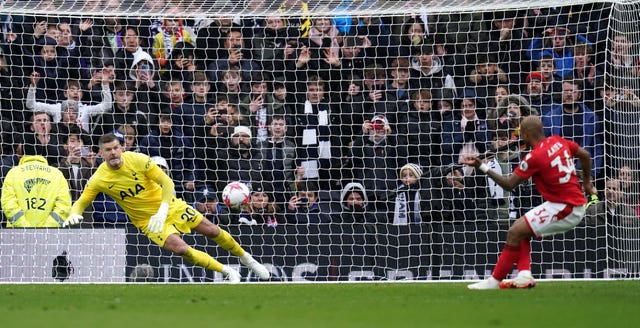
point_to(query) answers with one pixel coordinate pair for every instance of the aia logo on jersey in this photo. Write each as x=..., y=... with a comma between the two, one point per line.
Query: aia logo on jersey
x=131, y=192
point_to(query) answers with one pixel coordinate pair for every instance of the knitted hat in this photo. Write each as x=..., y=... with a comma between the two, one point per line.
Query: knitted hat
x=536, y=76
x=241, y=129
x=414, y=168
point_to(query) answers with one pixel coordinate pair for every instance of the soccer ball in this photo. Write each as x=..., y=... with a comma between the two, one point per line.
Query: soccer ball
x=236, y=194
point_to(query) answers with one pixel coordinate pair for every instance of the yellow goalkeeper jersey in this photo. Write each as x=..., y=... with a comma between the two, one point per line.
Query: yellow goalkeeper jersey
x=133, y=186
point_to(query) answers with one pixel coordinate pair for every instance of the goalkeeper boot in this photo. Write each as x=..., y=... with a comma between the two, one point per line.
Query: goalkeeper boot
x=255, y=266
x=490, y=283
x=524, y=279
x=231, y=274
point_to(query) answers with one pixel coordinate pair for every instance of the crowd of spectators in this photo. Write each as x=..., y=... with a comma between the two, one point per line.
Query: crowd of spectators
x=371, y=114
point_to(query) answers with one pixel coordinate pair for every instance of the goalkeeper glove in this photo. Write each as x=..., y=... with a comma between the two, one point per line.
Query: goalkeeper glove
x=72, y=219
x=156, y=222
x=592, y=199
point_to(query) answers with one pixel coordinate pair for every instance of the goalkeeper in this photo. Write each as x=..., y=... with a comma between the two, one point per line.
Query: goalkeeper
x=146, y=194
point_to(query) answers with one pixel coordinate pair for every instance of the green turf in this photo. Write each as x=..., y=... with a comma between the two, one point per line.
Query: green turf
x=551, y=304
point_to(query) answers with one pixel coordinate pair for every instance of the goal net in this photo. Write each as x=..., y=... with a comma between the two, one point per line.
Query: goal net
x=347, y=120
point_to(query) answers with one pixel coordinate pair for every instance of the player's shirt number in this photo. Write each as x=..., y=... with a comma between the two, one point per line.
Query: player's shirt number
x=568, y=167
x=189, y=214
x=35, y=203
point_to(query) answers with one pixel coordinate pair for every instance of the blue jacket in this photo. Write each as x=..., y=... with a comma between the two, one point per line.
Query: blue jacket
x=591, y=138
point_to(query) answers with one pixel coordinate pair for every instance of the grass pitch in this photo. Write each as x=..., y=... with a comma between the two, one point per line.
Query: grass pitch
x=550, y=304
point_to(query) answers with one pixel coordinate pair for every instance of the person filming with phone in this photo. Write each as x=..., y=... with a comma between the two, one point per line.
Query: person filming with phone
x=304, y=206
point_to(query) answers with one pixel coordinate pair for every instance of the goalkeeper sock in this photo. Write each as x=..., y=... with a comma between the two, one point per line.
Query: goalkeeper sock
x=227, y=242
x=506, y=260
x=524, y=260
x=202, y=259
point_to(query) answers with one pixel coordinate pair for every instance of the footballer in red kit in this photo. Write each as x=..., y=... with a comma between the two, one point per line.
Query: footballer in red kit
x=551, y=166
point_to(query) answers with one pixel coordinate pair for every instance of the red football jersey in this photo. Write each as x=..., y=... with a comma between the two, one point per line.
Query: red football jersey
x=551, y=164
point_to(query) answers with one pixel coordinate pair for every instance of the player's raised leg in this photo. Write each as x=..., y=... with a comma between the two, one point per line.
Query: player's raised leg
x=226, y=241
x=176, y=245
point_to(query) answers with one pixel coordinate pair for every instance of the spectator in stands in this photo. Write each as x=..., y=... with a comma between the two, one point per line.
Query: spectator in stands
x=500, y=92
x=171, y=33
x=374, y=85
x=456, y=197
x=127, y=133
x=73, y=94
x=256, y=108
x=408, y=200
x=622, y=59
x=147, y=88
x=34, y=194
x=395, y=104
x=237, y=56
x=47, y=66
x=125, y=56
x=102, y=73
x=411, y=38
x=553, y=84
x=206, y=202
x=429, y=71
x=484, y=78
x=302, y=22
x=210, y=135
x=464, y=132
x=69, y=52
x=354, y=206
x=506, y=42
x=181, y=64
x=211, y=37
x=510, y=112
x=421, y=132
x=46, y=143
x=352, y=107
x=352, y=56
x=324, y=45
x=125, y=112
x=557, y=43
x=269, y=44
x=500, y=199
x=304, y=207
x=621, y=133
x=586, y=71
x=280, y=151
x=627, y=175
x=78, y=162
x=169, y=142
x=191, y=114
x=612, y=209
x=318, y=136
x=104, y=37
x=240, y=160
x=537, y=93
x=232, y=86
x=261, y=208
x=575, y=121
x=376, y=158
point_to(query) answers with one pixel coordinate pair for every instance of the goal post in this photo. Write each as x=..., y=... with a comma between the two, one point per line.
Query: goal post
x=324, y=108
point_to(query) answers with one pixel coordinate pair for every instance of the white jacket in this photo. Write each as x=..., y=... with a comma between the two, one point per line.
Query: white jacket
x=85, y=112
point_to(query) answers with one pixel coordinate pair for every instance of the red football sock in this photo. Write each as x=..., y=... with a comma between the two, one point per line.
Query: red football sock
x=506, y=260
x=524, y=260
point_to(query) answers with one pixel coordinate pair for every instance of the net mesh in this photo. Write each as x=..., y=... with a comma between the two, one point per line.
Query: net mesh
x=324, y=109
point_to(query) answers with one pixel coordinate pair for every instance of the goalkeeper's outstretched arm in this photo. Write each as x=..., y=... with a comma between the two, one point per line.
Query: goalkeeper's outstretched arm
x=78, y=207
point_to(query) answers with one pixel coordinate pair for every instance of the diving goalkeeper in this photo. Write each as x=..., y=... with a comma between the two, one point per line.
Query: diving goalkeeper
x=146, y=194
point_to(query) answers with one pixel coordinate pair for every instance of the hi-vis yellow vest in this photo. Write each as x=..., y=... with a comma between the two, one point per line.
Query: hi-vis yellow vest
x=35, y=195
